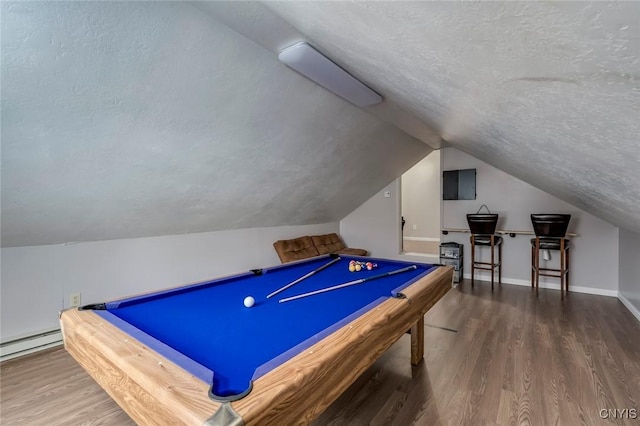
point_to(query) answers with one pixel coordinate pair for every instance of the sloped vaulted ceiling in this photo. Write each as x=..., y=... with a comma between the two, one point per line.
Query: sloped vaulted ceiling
x=546, y=91
x=153, y=118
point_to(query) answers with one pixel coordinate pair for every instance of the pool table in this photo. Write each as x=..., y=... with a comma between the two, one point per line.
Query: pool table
x=195, y=354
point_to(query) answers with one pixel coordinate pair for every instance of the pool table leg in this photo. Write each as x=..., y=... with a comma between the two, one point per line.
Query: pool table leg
x=417, y=341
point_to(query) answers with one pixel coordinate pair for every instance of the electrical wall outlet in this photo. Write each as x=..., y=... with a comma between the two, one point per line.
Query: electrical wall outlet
x=415, y=227
x=75, y=300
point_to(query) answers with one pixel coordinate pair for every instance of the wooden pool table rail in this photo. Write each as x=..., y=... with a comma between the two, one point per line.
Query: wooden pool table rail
x=154, y=391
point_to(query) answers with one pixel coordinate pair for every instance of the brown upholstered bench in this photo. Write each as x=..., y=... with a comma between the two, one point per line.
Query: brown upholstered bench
x=315, y=245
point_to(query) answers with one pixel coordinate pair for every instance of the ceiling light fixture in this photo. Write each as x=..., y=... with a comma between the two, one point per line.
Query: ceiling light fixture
x=314, y=65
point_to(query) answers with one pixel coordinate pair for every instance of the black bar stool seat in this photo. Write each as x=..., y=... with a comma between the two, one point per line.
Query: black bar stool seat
x=485, y=240
x=551, y=243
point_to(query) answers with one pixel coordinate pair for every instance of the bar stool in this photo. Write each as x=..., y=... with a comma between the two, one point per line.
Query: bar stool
x=550, y=231
x=483, y=227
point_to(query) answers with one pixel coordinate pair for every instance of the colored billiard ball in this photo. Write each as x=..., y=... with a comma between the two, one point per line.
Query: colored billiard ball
x=249, y=301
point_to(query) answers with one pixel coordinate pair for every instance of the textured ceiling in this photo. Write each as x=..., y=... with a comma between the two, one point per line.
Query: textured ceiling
x=138, y=119
x=549, y=92
x=153, y=118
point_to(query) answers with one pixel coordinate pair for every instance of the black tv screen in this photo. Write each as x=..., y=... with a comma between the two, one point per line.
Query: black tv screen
x=459, y=184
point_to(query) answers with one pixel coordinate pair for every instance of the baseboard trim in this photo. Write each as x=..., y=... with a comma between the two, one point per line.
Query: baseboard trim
x=411, y=253
x=418, y=257
x=30, y=344
x=627, y=303
x=420, y=239
x=551, y=286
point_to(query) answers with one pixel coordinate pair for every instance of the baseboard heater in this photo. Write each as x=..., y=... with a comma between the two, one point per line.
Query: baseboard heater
x=29, y=344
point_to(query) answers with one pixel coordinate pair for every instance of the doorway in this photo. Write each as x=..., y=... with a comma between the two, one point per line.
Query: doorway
x=420, y=207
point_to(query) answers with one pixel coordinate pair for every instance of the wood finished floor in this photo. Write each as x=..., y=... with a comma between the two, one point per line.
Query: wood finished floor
x=515, y=359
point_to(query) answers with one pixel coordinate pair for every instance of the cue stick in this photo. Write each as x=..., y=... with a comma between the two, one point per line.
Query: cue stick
x=304, y=277
x=350, y=283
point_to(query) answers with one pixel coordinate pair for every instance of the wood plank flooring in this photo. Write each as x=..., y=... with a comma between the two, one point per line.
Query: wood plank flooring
x=507, y=357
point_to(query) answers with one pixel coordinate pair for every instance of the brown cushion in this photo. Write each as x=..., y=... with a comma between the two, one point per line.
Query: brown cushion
x=331, y=243
x=353, y=252
x=328, y=243
x=295, y=249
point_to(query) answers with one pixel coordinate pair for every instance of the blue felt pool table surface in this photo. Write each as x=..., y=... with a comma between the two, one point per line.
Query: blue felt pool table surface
x=206, y=329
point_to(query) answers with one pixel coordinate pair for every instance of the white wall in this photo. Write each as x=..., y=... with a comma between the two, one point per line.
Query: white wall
x=421, y=198
x=629, y=264
x=37, y=280
x=375, y=225
x=594, y=253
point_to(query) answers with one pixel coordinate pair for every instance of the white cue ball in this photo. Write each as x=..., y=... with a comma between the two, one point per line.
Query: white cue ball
x=249, y=301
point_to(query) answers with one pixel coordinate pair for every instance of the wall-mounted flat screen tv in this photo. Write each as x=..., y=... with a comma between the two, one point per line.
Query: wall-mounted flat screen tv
x=459, y=184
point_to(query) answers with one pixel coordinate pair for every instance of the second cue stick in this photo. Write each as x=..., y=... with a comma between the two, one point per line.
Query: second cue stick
x=350, y=283
x=303, y=277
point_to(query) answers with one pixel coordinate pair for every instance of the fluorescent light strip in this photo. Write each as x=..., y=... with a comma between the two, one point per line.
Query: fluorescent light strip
x=314, y=65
